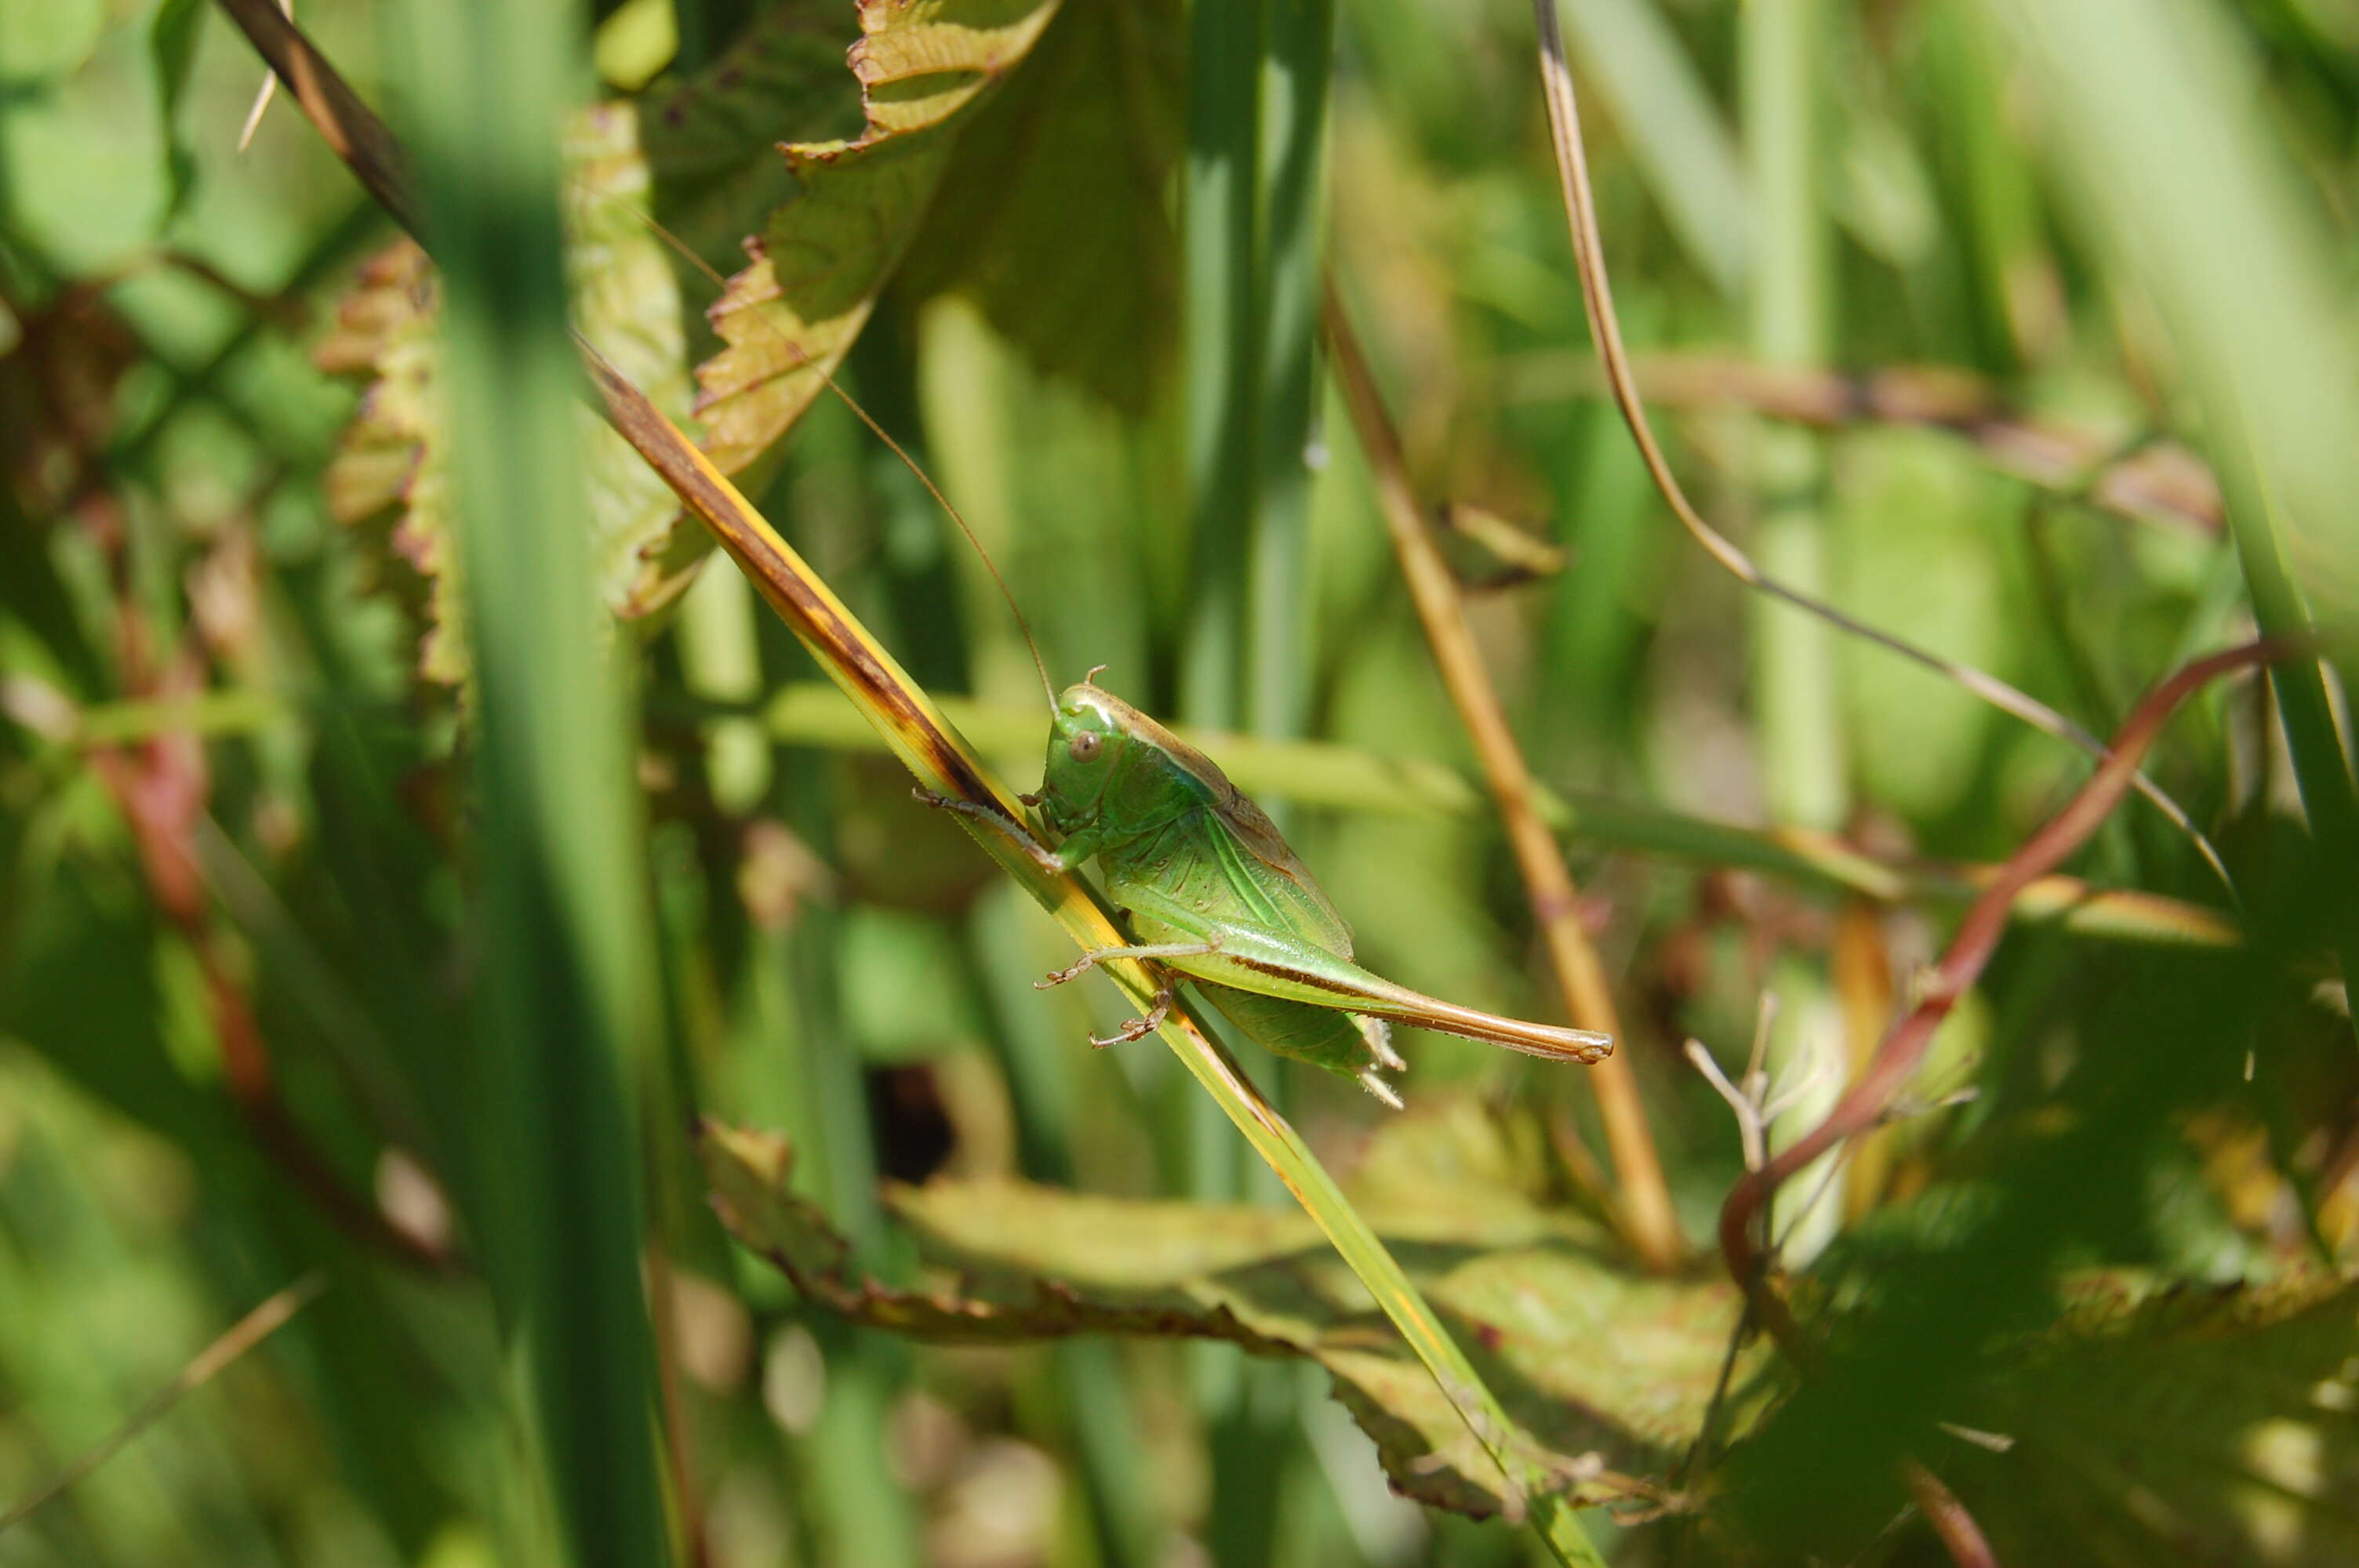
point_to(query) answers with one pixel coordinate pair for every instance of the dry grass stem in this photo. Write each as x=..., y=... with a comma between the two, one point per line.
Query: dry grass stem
x=1645, y=1202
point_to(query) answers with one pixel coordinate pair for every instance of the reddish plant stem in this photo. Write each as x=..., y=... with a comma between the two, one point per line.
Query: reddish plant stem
x=162, y=787
x=1961, y=1536
x=1904, y=1047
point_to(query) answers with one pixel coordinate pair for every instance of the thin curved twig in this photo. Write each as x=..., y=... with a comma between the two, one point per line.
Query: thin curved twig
x=1606, y=330
x=240, y=1337
x=1903, y=1045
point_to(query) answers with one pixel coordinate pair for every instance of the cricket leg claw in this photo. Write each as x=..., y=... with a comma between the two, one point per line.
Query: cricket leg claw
x=1137, y=1027
x=1071, y=971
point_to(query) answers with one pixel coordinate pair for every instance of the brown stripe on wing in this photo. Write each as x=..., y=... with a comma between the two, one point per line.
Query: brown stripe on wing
x=1304, y=977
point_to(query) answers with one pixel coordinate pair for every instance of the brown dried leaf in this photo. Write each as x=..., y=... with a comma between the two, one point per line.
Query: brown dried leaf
x=1606, y=1370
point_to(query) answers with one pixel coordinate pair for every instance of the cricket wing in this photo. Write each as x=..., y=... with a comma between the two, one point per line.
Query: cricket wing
x=1247, y=822
x=1197, y=880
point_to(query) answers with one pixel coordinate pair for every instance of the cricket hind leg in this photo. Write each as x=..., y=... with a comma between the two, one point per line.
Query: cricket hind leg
x=1344, y=1043
x=1157, y=950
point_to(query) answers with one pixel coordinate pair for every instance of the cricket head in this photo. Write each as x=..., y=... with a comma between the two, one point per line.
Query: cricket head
x=1088, y=732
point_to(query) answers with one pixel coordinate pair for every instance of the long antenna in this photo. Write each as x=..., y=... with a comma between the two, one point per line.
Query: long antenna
x=803, y=358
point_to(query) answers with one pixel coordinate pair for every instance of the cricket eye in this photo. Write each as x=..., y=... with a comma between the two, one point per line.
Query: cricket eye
x=1085, y=745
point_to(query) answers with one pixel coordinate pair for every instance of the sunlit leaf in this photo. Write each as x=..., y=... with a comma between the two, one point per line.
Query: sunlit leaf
x=822, y=260
x=2195, y=1426
x=626, y=301
x=1084, y=289
x=712, y=140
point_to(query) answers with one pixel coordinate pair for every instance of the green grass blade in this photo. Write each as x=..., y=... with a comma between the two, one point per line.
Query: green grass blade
x=2189, y=192
x=1804, y=771
x=1226, y=298
x=564, y=975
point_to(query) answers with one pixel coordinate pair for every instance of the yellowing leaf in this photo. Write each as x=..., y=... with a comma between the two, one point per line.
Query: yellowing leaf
x=387, y=472
x=386, y=478
x=626, y=301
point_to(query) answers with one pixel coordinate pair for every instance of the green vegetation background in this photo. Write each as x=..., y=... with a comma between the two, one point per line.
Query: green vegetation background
x=371, y=918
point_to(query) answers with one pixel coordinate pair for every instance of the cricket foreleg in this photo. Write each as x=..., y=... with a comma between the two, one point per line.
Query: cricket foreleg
x=1048, y=859
x=1090, y=960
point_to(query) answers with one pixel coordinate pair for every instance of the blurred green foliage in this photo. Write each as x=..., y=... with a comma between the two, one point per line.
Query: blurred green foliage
x=336, y=936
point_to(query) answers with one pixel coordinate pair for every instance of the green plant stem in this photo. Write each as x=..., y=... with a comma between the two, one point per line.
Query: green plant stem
x=1798, y=713
x=1346, y=778
x=1300, y=51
